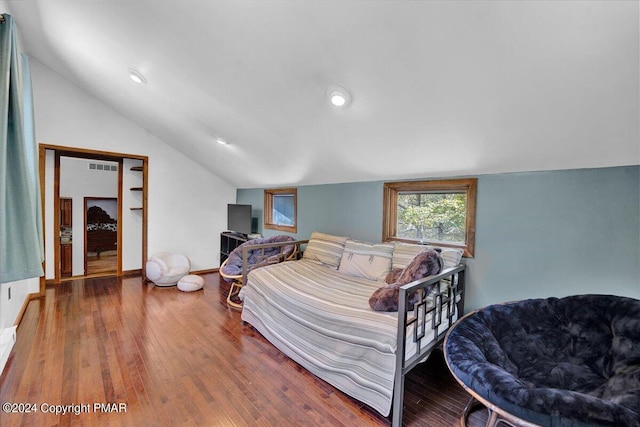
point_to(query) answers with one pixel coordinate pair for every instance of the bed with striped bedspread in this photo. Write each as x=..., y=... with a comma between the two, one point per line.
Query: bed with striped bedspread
x=321, y=318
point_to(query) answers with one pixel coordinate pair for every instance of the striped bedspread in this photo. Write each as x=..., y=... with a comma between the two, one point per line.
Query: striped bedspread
x=321, y=318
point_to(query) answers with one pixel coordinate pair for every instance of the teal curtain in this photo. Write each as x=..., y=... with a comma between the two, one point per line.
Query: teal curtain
x=21, y=242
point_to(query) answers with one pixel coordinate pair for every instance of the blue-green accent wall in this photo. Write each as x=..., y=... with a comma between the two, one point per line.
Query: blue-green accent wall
x=538, y=234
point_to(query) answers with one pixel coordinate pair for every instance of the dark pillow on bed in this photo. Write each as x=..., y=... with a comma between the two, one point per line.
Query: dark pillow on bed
x=393, y=275
x=426, y=263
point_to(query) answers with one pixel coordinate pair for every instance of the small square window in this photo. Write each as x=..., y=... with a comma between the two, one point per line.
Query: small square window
x=280, y=209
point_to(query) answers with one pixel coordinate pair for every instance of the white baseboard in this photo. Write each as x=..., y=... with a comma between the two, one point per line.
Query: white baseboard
x=7, y=339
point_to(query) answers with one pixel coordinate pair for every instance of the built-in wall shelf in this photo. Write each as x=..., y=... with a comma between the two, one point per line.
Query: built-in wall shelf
x=137, y=169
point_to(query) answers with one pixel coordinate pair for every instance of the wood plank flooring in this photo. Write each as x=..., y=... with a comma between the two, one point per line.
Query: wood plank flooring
x=102, y=264
x=181, y=359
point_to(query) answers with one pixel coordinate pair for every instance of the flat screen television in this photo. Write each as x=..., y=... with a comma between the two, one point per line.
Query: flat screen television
x=239, y=218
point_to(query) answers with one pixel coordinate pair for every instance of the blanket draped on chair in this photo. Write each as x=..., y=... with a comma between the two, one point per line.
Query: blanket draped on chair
x=233, y=266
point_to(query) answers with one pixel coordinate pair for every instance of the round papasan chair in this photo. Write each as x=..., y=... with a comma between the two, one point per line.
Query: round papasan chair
x=572, y=361
x=231, y=268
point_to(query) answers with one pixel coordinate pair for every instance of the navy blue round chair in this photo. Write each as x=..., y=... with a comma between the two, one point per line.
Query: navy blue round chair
x=561, y=362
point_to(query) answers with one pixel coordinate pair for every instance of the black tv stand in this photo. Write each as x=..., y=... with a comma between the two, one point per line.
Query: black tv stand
x=228, y=242
x=233, y=233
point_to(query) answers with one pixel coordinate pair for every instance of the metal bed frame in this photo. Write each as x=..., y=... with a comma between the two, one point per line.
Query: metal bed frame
x=448, y=303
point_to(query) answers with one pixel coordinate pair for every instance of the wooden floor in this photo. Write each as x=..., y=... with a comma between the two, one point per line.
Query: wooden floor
x=102, y=264
x=171, y=358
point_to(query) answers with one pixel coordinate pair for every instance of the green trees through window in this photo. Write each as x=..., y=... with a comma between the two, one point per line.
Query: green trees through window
x=438, y=217
x=441, y=212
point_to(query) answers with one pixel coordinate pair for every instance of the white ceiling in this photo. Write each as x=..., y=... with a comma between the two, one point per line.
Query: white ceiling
x=440, y=88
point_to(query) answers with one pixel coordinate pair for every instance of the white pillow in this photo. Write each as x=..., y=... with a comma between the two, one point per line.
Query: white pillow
x=190, y=283
x=367, y=260
x=325, y=249
x=405, y=252
x=450, y=256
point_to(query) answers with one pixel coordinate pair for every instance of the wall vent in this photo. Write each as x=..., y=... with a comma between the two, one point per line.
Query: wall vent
x=103, y=167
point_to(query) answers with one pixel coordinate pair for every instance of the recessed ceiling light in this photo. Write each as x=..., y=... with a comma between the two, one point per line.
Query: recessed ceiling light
x=221, y=141
x=338, y=99
x=136, y=76
x=338, y=96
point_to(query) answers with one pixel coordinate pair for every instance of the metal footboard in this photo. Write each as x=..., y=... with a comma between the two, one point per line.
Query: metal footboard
x=447, y=303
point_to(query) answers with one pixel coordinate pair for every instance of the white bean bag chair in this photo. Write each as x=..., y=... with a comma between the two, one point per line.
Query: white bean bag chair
x=166, y=268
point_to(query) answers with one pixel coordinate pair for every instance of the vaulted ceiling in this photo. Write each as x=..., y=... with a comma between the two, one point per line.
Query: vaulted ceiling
x=439, y=88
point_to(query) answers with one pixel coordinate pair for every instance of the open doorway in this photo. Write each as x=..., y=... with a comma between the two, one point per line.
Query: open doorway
x=130, y=172
x=101, y=235
x=95, y=181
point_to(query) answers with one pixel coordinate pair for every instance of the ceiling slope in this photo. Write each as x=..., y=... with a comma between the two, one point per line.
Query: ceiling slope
x=440, y=88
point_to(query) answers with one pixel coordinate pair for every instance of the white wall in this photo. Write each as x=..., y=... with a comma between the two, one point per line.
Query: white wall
x=12, y=297
x=20, y=290
x=187, y=203
x=131, y=221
